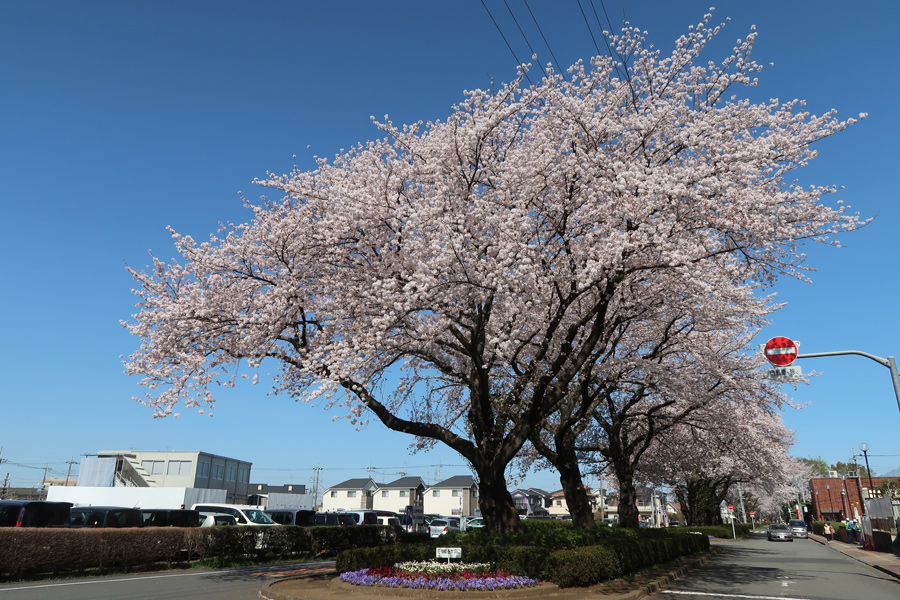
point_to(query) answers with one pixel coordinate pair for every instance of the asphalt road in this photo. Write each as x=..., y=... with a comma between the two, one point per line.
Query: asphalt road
x=757, y=569
x=241, y=583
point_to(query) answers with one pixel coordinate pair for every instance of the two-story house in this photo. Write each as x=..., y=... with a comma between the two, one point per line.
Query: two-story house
x=397, y=495
x=454, y=496
x=353, y=494
x=531, y=502
x=558, y=506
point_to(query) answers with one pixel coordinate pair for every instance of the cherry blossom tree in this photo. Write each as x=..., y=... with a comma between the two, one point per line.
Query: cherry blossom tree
x=743, y=442
x=683, y=353
x=457, y=278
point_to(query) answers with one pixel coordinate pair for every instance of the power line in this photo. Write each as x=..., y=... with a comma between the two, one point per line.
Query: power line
x=543, y=37
x=513, y=52
x=525, y=37
x=591, y=31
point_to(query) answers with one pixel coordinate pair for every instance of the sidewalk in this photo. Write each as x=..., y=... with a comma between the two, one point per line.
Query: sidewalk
x=883, y=561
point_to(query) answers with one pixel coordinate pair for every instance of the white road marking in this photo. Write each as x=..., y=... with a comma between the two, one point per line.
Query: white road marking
x=729, y=595
x=67, y=583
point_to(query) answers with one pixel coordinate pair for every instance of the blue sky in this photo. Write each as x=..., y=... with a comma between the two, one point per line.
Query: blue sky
x=120, y=118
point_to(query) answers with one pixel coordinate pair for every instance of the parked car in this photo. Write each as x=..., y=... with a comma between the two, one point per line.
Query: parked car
x=288, y=516
x=170, y=517
x=779, y=531
x=245, y=515
x=105, y=516
x=363, y=517
x=674, y=523
x=798, y=528
x=213, y=519
x=439, y=527
x=475, y=522
x=34, y=513
x=385, y=520
x=334, y=519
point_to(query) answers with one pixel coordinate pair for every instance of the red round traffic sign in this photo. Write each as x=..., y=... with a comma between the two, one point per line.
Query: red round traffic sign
x=731, y=507
x=781, y=351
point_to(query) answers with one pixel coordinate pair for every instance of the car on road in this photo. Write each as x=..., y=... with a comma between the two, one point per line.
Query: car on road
x=245, y=515
x=362, y=517
x=34, y=513
x=779, y=531
x=798, y=528
x=674, y=523
x=334, y=519
x=441, y=526
x=214, y=519
x=287, y=516
x=168, y=517
x=105, y=516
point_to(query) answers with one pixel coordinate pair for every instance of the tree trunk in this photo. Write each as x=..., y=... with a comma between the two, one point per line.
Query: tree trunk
x=627, y=510
x=576, y=495
x=496, y=503
x=700, y=499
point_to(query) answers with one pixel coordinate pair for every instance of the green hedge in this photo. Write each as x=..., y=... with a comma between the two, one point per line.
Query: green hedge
x=591, y=565
x=29, y=551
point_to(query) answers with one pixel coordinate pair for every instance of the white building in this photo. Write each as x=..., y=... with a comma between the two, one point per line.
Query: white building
x=397, y=495
x=353, y=494
x=454, y=496
x=164, y=469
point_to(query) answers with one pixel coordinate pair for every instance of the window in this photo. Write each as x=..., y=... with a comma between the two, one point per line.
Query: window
x=334, y=494
x=244, y=475
x=404, y=493
x=218, y=471
x=351, y=494
x=384, y=493
x=457, y=493
x=231, y=474
x=154, y=467
x=179, y=468
x=203, y=469
x=436, y=494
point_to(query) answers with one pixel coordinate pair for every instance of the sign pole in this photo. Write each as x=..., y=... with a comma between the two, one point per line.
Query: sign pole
x=888, y=362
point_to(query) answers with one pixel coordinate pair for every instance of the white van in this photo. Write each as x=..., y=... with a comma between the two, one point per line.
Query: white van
x=243, y=514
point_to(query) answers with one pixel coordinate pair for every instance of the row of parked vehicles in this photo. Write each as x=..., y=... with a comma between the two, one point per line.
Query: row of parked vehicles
x=36, y=513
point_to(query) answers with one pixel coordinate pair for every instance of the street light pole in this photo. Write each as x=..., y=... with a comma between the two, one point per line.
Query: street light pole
x=865, y=449
x=888, y=362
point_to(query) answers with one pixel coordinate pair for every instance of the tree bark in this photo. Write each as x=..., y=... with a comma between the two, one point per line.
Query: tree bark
x=700, y=500
x=573, y=487
x=627, y=510
x=496, y=503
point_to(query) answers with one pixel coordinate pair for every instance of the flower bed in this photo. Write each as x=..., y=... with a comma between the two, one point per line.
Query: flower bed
x=439, y=576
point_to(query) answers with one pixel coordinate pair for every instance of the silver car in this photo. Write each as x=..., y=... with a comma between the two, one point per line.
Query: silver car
x=798, y=528
x=779, y=531
x=439, y=527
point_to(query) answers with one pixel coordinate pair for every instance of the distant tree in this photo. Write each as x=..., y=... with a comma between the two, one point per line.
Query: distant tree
x=817, y=466
x=457, y=279
x=889, y=488
x=848, y=467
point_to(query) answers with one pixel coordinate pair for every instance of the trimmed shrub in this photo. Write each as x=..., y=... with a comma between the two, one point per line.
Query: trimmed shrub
x=614, y=558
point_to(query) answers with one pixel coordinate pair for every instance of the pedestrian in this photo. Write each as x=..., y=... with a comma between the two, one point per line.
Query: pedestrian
x=828, y=530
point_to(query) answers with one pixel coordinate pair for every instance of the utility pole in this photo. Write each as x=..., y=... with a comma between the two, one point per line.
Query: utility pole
x=70, y=462
x=317, y=468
